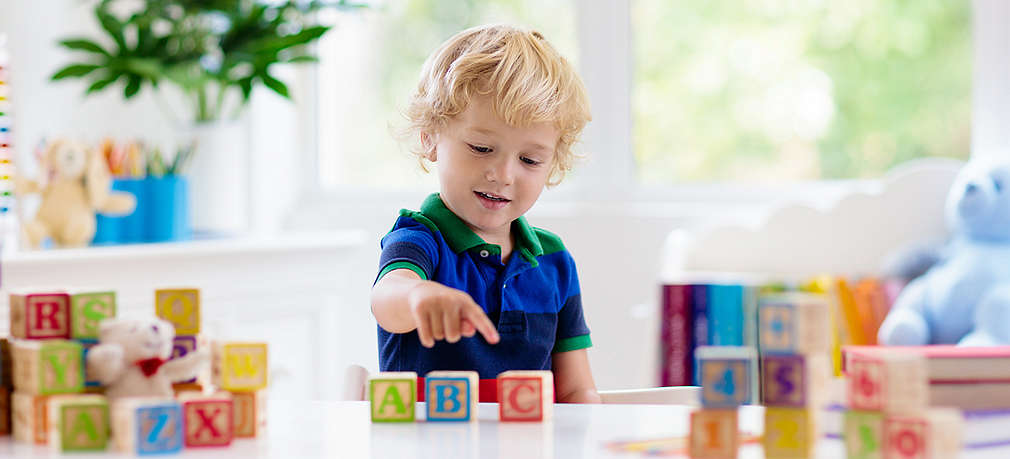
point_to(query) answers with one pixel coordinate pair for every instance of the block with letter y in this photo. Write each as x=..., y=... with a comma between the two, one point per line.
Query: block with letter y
x=451, y=395
x=526, y=395
x=207, y=418
x=44, y=367
x=392, y=395
x=240, y=366
x=40, y=315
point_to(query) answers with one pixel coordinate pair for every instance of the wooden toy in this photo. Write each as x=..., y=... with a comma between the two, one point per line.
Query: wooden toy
x=207, y=418
x=864, y=434
x=725, y=375
x=181, y=307
x=87, y=309
x=789, y=432
x=392, y=395
x=5, y=411
x=147, y=425
x=178, y=388
x=185, y=345
x=525, y=395
x=713, y=433
x=794, y=323
x=451, y=395
x=79, y=422
x=888, y=381
x=40, y=315
x=240, y=366
x=45, y=367
x=29, y=415
x=90, y=381
x=934, y=433
x=6, y=363
x=250, y=413
x=795, y=380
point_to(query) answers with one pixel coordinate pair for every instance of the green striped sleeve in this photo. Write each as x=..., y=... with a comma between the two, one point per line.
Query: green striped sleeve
x=402, y=265
x=572, y=344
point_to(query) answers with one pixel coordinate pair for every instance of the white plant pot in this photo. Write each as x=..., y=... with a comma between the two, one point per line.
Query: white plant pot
x=219, y=178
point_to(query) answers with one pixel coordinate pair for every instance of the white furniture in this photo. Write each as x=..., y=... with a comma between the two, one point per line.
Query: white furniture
x=286, y=290
x=300, y=429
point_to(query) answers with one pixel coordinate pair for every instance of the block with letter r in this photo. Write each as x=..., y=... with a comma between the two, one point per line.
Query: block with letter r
x=451, y=395
x=392, y=395
x=40, y=315
x=725, y=375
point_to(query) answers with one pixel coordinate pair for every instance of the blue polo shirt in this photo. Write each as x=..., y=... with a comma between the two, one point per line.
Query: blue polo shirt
x=534, y=300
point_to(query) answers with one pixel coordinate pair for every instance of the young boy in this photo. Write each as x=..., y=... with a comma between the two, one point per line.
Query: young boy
x=497, y=110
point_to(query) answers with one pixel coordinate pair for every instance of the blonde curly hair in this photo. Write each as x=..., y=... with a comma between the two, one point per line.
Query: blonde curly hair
x=527, y=79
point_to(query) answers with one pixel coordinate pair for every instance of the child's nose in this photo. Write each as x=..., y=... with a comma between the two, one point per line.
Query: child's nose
x=501, y=172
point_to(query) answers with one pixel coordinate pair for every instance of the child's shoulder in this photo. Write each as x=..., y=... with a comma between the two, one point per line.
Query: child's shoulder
x=550, y=242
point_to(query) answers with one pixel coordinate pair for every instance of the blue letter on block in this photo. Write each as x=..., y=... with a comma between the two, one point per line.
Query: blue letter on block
x=725, y=382
x=448, y=399
x=159, y=429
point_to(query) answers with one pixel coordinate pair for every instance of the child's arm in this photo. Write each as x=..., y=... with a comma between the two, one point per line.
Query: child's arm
x=402, y=302
x=573, y=380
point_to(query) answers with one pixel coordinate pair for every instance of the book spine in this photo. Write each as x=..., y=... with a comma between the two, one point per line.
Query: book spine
x=700, y=319
x=726, y=312
x=676, y=336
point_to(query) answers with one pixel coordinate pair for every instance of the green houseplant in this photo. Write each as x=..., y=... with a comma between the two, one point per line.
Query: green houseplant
x=207, y=48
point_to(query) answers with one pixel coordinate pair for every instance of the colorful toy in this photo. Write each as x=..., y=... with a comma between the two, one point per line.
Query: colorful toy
x=40, y=315
x=147, y=426
x=525, y=395
x=714, y=433
x=240, y=366
x=29, y=415
x=207, y=418
x=451, y=395
x=250, y=410
x=78, y=184
x=79, y=422
x=46, y=367
x=392, y=395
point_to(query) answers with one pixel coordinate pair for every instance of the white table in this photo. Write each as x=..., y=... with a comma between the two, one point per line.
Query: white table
x=343, y=429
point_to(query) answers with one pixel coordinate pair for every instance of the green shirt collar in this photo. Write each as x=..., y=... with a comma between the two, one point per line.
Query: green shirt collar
x=461, y=238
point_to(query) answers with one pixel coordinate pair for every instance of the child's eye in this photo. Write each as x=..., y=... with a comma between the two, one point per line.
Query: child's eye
x=530, y=161
x=480, y=149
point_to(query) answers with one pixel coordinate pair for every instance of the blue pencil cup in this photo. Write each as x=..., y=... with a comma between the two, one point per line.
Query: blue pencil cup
x=162, y=212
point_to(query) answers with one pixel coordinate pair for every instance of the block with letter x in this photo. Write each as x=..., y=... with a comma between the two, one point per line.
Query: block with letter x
x=240, y=366
x=45, y=367
x=40, y=315
x=451, y=395
x=392, y=395
x=725, y=375
x=526, y=395
x=207, y=418
x=148, y=426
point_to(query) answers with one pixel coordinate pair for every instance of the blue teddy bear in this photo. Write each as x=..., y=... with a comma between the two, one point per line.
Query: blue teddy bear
x=965, y=297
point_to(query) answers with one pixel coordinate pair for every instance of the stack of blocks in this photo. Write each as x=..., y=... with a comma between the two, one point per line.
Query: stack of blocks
x=888, y=415
x=725, y=374
x=524, y=396
x=795, y=346
x=51, y=333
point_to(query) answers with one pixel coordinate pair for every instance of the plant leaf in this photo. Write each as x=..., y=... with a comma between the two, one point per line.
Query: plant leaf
x=297, y=59
x=74, y=70
x=112, y=26
x=84, y=45
x=275, y=84
x=132, y=86
x=100, y=84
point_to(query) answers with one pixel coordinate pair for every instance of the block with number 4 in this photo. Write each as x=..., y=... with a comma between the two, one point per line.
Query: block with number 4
x=207, y=418
x=789, y=432
x=451, y=395
x=525, y=395
x=887, y=380
x=40, y=315
x=795, y=380
x=45, y=367
x=148, y=425
x=79, y=422
x=794, y=323
x=934, y=433
x=725, y=375
x=181, y=307
x=713, y=433
x=240, y=366
x=392, y=395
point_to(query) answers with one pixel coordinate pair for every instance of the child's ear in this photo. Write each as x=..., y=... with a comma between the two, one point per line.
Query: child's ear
x=428, y=142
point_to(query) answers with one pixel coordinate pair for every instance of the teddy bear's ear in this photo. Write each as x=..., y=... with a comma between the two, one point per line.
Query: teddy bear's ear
x=108, y=326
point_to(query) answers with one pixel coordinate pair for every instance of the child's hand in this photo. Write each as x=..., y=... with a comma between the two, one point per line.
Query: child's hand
x=442, y=312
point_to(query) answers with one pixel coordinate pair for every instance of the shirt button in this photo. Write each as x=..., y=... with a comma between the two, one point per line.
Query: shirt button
x=484, y=253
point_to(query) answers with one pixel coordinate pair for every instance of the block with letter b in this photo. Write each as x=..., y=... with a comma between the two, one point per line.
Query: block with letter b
x=936, y=432
x=526, y=395
x=145, y=425
x=45, y=367
x=795, y=380
x=207, y=418
x=794, y=323
x=887, y=380
x=240, y=366
x=181, y=307
x=725, y=375
x=79, y=422
x=40, y=315
x=713, y=433
x=451, y=395
x=392, y=395
x=87, y=309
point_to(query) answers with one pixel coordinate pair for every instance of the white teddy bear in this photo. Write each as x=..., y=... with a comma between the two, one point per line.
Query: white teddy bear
x=131, y=359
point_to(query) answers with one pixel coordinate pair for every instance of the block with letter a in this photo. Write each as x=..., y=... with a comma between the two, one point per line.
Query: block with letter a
x=526, y=395
x=207, y=418
x=40, y=315
x=392, y=395
x=79, y=422
x=451, y=395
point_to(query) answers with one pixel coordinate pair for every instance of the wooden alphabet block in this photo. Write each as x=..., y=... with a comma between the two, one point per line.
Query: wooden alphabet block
x=240, y=366
x=6, y=363
x=187, y=387
x=207, y=419
x=29, y=417
x=182, y=346
x=713, y=433
x=795, y=380
x=148, y=426
x=87, y=309
x=250, y=413
x=392, y=395
x=79, y=422
x=794, y=323
x=525, y=395
x=40, y=315
x=5, y=411
x=934, y=433
x=46, y=367
x=888, y=381
x=89, y=379
x=451, y=395
x=181, y=307
x=864, y=434
x=725, y=375
x=789, y=432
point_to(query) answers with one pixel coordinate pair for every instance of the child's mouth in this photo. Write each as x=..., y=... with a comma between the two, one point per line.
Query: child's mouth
x=491, y=201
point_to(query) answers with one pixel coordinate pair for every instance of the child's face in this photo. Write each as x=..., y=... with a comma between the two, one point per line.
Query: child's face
x=491, y=173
